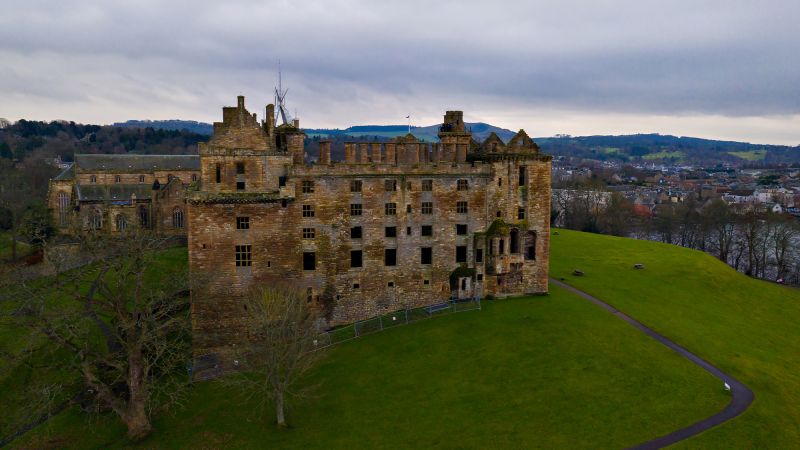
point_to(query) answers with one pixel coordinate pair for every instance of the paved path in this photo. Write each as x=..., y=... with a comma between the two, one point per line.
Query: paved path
x=741, y=395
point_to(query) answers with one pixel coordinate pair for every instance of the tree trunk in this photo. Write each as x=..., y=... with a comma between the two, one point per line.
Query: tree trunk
x=279, y=407
x=139, y=427
x=136, y=417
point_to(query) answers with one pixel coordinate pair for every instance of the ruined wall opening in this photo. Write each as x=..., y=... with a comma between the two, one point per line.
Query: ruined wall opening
x=530, y=246
x=513, y=241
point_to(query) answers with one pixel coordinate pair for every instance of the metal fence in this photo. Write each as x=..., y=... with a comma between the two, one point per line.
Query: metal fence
x=209, y=366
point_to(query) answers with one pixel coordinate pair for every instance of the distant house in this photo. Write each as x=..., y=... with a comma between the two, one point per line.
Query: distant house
x=653, y=177
x=774, y=207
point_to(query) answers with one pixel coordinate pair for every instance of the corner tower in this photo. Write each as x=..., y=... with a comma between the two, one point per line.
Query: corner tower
x=455, y=137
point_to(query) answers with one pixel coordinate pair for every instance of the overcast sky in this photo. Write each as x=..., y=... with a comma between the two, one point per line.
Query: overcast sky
x=714, y=69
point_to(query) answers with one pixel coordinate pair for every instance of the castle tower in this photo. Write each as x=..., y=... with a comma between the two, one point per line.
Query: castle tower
x=455, y=137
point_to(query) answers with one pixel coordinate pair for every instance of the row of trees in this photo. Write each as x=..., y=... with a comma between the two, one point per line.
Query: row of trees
x=106, y=322
x=748, y=237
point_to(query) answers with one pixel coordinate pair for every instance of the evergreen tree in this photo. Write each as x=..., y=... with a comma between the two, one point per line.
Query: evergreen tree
x=5, y=150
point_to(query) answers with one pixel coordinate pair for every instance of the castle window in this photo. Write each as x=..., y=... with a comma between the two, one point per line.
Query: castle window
x=63, y=209
x=427, y=207
x=426, y=255
x=141, y=178
x=308, y=210
x=513, y=241
x=356, y=286
x=408, y=231
x=242, y=223
x=355, y=185
x=480, y=277
x=244, y=256
x=117, y=179
x=169, y=178
x=143, y=215
x=391, y=185
x=355, y=233
x=427, y=185
x=390, y=232
x=426, y=282
x=356, y=209
x=194, y=177
x=122, y=223
x=308, y=187
x=284, y=203
x=494, y=146
x=408, y=209
x=240, y=176
x=521, y=213
x=390, y=284
x=427, y=231
x=522, y=175
x=95, y=219
x=309, y=233
x=390, y=209
x=461, y=228
x=499, y=181
x=461, y=254
x=390, y=256
x=309, y=261
x=502, y=248
x=177, y=218
x=408, y=185
x=93, y=179
x=463, y=185
x=356, y=259
x=479, y=255
x=219, y=173
x=461, y=207
x=499, y=214
x=530, y=246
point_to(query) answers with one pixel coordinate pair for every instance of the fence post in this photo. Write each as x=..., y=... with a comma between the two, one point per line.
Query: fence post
x=380, y=319
x=406, y=316
x=355, y=329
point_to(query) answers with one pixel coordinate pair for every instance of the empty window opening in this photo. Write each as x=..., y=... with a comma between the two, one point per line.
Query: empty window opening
x=427, y=230
x=499, y=282
x=408, y=231
x=427, y=185
x=355, y=233
x=284, y=203
x=269, y=263
x=463, y=185
x=523, y=174
x=499, y=214
x=219, y=173
x=491, y=247
x=480, y=277
x=308, y=210
x=391, y=185
x=390, y=232
x=408, y=209
x=499, y=181
x=464, y=285
x=513, y=241
x=281, y=181
x=427, y=207
x=356, y=259
x=530, y=246
x=355, y=185
x=356, y=286
x=308, y=187
x=245, y=307
x=426, y=282
x=240, y=176
x=461, y=254
x=461, y=228
x=204, y=246
x=242, y=223
x=390, y=256
x=479, y=255
x=521, y=214
x=426, y=255
x=390, y=284
x=309, y=261
x=408, y=185
x=502, y=247
x=461, y=207
x=244, y=256
x=309, y=233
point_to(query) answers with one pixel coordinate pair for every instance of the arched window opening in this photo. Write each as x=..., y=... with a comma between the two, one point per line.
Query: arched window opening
x=530, y=246
x=141, y=178
x=514, y=241
x=117, y=179
x=142, y=216
x=502, y=247
x=96, y=219
x=93, y=179
x=194, y=177
x=177, y=218
x=122, y=223
x=63, y=209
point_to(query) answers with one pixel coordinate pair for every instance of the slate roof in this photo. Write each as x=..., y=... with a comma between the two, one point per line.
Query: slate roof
x=68, y=174
x=140, y=162
x=112, y=192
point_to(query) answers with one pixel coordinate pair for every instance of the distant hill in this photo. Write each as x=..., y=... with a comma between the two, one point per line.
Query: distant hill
x=480, y=131
x=191, y=125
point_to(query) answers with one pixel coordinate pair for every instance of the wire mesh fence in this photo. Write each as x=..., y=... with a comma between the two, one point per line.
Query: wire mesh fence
x=208, y=366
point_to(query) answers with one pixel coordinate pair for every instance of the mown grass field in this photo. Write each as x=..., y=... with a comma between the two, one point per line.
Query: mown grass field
x=753, y=155
x=665, y=154
x=748, y=328
x=541, y=372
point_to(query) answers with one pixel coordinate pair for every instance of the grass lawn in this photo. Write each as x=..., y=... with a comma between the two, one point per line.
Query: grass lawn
x=548, y=372
x=747, y=328
x=23, y=249
x=753, y=155
x=664, y=154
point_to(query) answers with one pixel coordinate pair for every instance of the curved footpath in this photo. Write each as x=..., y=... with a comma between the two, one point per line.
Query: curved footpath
x=741, y=395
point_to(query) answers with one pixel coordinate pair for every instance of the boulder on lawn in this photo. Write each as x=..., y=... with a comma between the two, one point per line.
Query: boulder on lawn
x=638, y=266
x=577, y=272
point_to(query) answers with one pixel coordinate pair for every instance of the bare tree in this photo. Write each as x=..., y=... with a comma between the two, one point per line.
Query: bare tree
x=782, y=240
x=721, y=219
x=284, y=332
x=118, y=319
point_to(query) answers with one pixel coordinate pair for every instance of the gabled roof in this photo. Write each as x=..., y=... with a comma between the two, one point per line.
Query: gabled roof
x=68, y=174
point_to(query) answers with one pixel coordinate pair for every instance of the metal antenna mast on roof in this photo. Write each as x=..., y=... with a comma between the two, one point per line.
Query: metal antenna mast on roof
x=280, y=100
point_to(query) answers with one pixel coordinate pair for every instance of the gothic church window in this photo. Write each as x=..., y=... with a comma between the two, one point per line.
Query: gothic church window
x=63, y=209
x=177, y=218
x=143, y=215
x=122, y=223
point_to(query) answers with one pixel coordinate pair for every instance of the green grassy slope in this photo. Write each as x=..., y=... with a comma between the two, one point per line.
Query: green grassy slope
x=544, y=372
x=746, y=327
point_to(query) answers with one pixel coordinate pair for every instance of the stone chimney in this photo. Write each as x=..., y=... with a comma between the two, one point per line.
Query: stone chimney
x=324, y=152
x=350, y=152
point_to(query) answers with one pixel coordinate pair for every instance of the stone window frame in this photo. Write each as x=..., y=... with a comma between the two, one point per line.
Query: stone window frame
x=427, y=207
x=426, y=254
x=309, y=259
x=177, y=217
x=462, y=185
x=356, y=186
x=122, y=222
x=357, y=232
x=194, y=177
x=463, y=257
x=308, y=186
x=356, y=209
x=309, y=233
x=386, y=257
x=92, y=179
x=390, y=209
x=465, y=229
x=308, y=211
x=462, y=208
x=386, y=232
x=523, y=175
x=390, y=185
x=520, y=213
x=408, y=209
x=242, y=222
x=117, y=179
x=243, y=255
x=427, y=185
x=141, y=178
x=426, y=231
x=356, y=257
